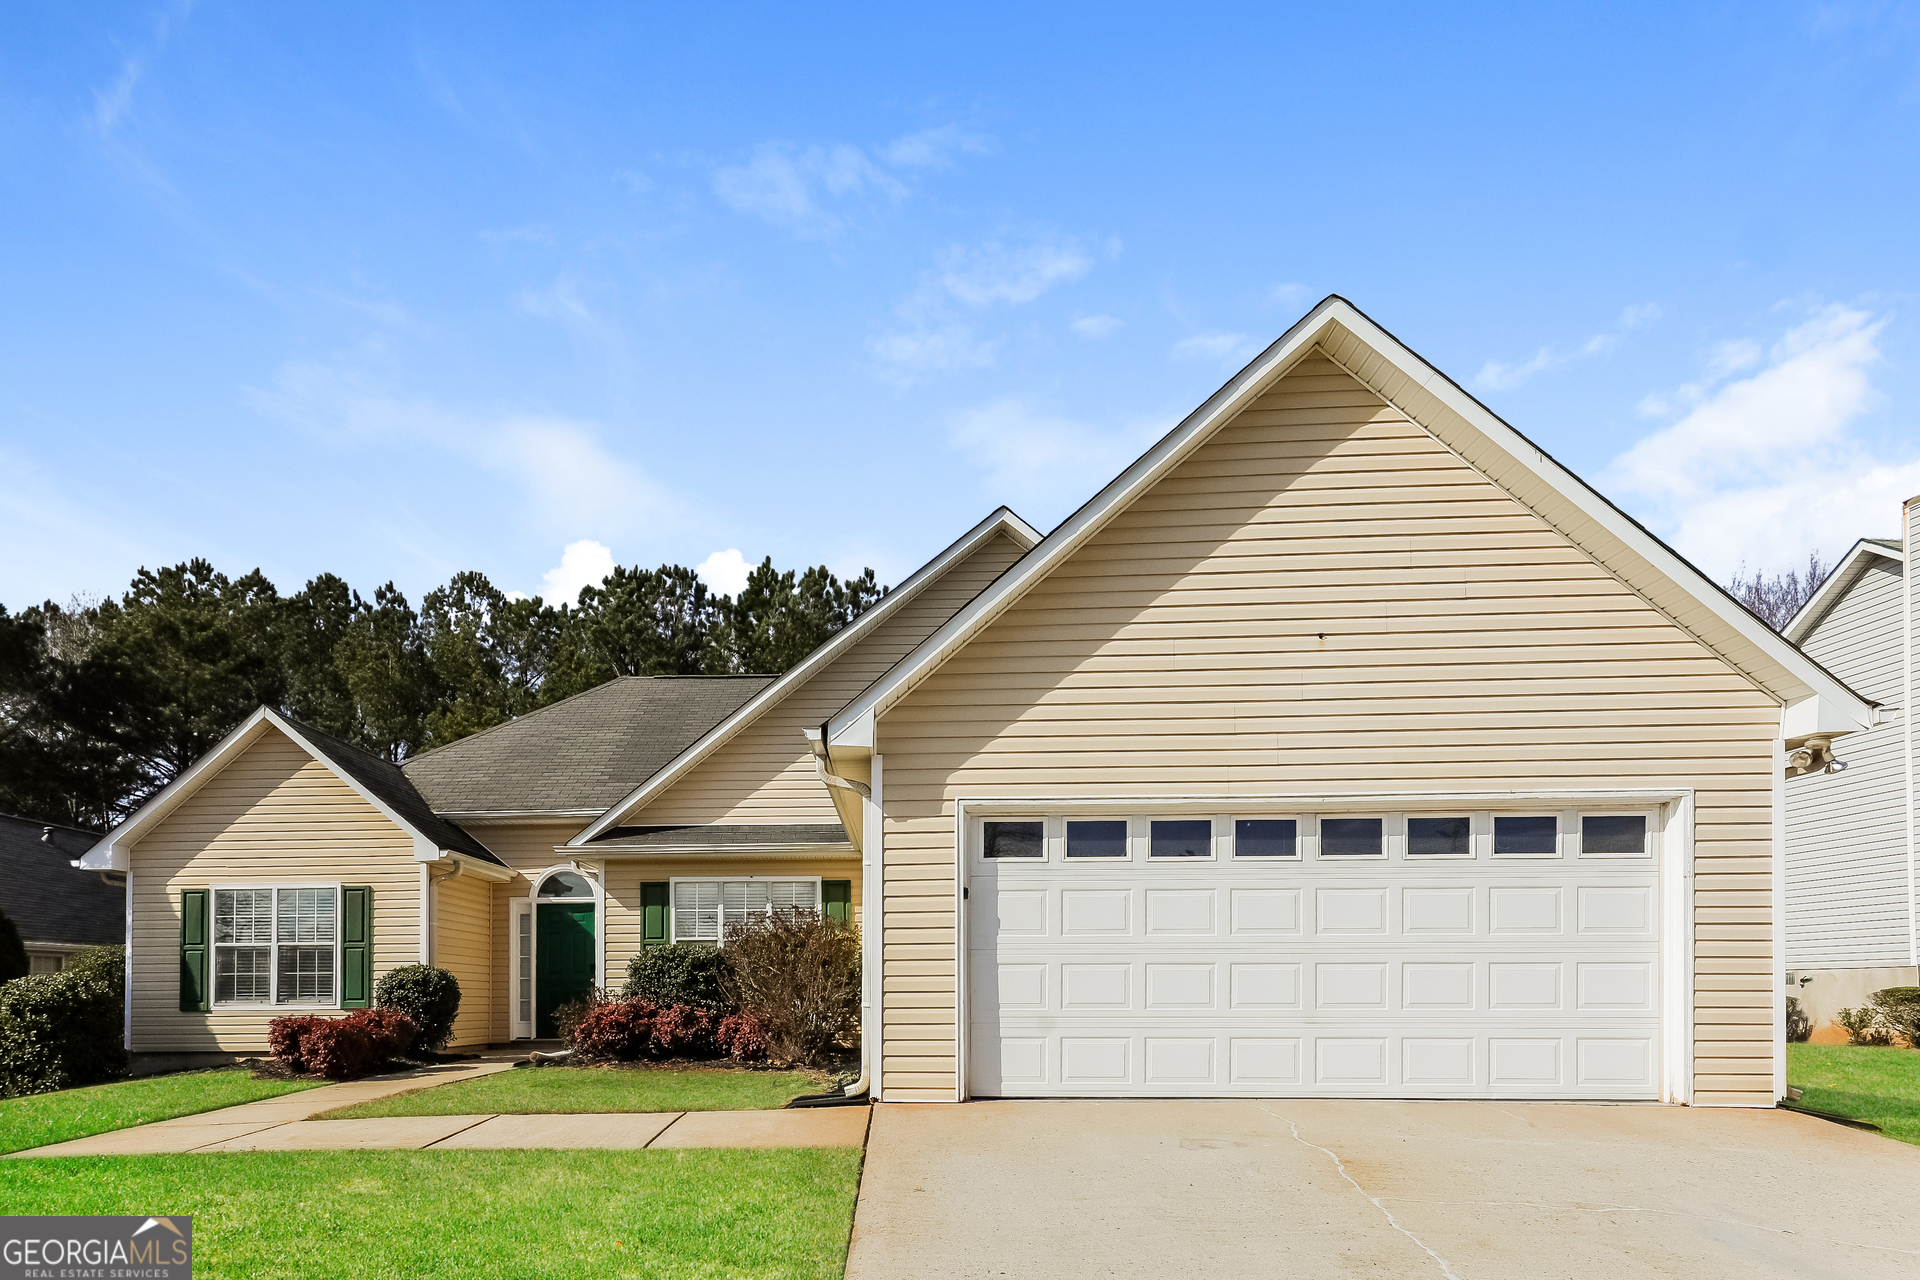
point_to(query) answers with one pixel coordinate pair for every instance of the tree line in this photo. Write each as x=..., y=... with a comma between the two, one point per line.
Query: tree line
x=102, y=703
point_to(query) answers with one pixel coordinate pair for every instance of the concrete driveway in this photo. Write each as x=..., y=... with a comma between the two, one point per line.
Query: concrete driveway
x=1426, y=1189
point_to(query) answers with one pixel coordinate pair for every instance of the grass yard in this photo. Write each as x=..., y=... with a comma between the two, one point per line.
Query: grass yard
x=43, y=1118
x=325, y=1214
x=570, y=1090
x=1881, y=1086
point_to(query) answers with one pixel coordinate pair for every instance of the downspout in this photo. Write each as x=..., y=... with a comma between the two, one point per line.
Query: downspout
x=1908, y=548
x=823, y=766
x=430, y=917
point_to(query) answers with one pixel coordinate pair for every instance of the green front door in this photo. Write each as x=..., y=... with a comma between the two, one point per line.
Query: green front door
x=566, y=961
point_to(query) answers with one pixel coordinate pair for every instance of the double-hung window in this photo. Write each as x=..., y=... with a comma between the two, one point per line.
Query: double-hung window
x=703, y=910
x=276, y=946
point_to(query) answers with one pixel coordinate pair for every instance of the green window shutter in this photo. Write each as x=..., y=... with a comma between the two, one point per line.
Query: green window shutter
x=194, y=975
x=356, y=947
x=654, y=905
x=836, y=899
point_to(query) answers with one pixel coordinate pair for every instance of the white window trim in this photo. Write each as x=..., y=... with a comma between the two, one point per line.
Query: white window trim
x=273, y=951
x=1387, y=837
x=1146, y=838
x=673, y=894
x=1649, y=843
x=1302, y=836
x=593, y=874
x=516, y=909
x=1563, y=819
x=1126, y=841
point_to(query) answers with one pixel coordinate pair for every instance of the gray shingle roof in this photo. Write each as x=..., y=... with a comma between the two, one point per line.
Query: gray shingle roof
x=583, y=753
x=48, y=900
x=726, y=835
x=387, y=781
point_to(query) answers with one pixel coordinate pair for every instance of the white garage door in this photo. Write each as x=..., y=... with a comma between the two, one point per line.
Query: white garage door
x=1403, y=955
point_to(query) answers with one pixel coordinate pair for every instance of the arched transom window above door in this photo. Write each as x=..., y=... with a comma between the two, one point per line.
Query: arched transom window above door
x=565, y=886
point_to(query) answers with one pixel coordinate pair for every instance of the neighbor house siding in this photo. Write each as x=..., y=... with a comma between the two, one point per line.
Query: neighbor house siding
x=463, y=945
x=1847, y=832
x=272, y=816
x=1322, y=598
x=765, y=773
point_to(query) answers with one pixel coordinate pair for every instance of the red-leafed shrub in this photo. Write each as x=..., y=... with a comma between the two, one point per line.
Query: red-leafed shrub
x=390, y=1031
x=740, y=1038
x=286, y=1039
x=337, y=1048
x=682, y=1031
x=341, y=1048
x=617, y=1029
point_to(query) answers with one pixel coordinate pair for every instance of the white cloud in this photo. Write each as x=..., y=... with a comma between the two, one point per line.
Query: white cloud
x=1232, y=348
x=994, y=273
x=931, y=335
x=568, y=474
x=935, y=148
x=786, y=186
x=1767, y=467
x=110, y=105
x=1287, y=293
x=1500, y=375
x=585, y=563
x=725, y=571
x=1094, y=326
x=922, y=349
x=1048, y=464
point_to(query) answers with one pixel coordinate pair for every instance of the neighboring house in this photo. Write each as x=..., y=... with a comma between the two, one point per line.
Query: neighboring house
x=1851, y=855
x=57, y=908
x=1344, y=745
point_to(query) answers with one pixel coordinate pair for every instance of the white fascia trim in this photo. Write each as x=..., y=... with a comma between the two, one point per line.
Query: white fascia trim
x=1843, y=576
x=1332, y=314
x=115, y=842
x=1003, y=520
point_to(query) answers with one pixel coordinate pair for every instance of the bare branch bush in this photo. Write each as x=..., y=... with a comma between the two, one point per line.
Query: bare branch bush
x=797, y=974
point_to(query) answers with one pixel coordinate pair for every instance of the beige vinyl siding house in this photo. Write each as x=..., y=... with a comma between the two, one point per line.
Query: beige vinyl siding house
x=1340, y=588
x=273, y=817
x=1850, y=861
x=1323, y=598
x=1344, y=745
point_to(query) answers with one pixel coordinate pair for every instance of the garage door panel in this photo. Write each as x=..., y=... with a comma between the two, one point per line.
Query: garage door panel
x=1396, y=979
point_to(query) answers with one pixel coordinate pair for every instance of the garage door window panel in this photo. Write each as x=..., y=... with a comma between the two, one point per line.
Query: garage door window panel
x=1180, y=838
x=1526, y=835
x=1014, y=840
x=1439, y=836
x=1615, y=835
x=1353, y=838
x=1097, y=838
x=1266, y=838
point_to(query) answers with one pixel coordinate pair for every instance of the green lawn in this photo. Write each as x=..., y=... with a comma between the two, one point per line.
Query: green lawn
x=41, y=1118
x=323, y=1214
x=1877, y=1085
x=566, y=1090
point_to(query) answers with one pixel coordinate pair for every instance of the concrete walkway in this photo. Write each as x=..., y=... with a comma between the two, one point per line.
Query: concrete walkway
x=1448, y=1190
x=286, y=1123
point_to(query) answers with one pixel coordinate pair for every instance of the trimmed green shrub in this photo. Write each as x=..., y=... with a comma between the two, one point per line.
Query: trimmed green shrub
x=61, y=1030
x=689, y=973
x=1899, y=1010
x=430, y=997
x=13, y=953
x=1863, y=1026
x=798, y=974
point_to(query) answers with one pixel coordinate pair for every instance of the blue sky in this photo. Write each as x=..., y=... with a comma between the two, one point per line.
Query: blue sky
x=395, y=291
